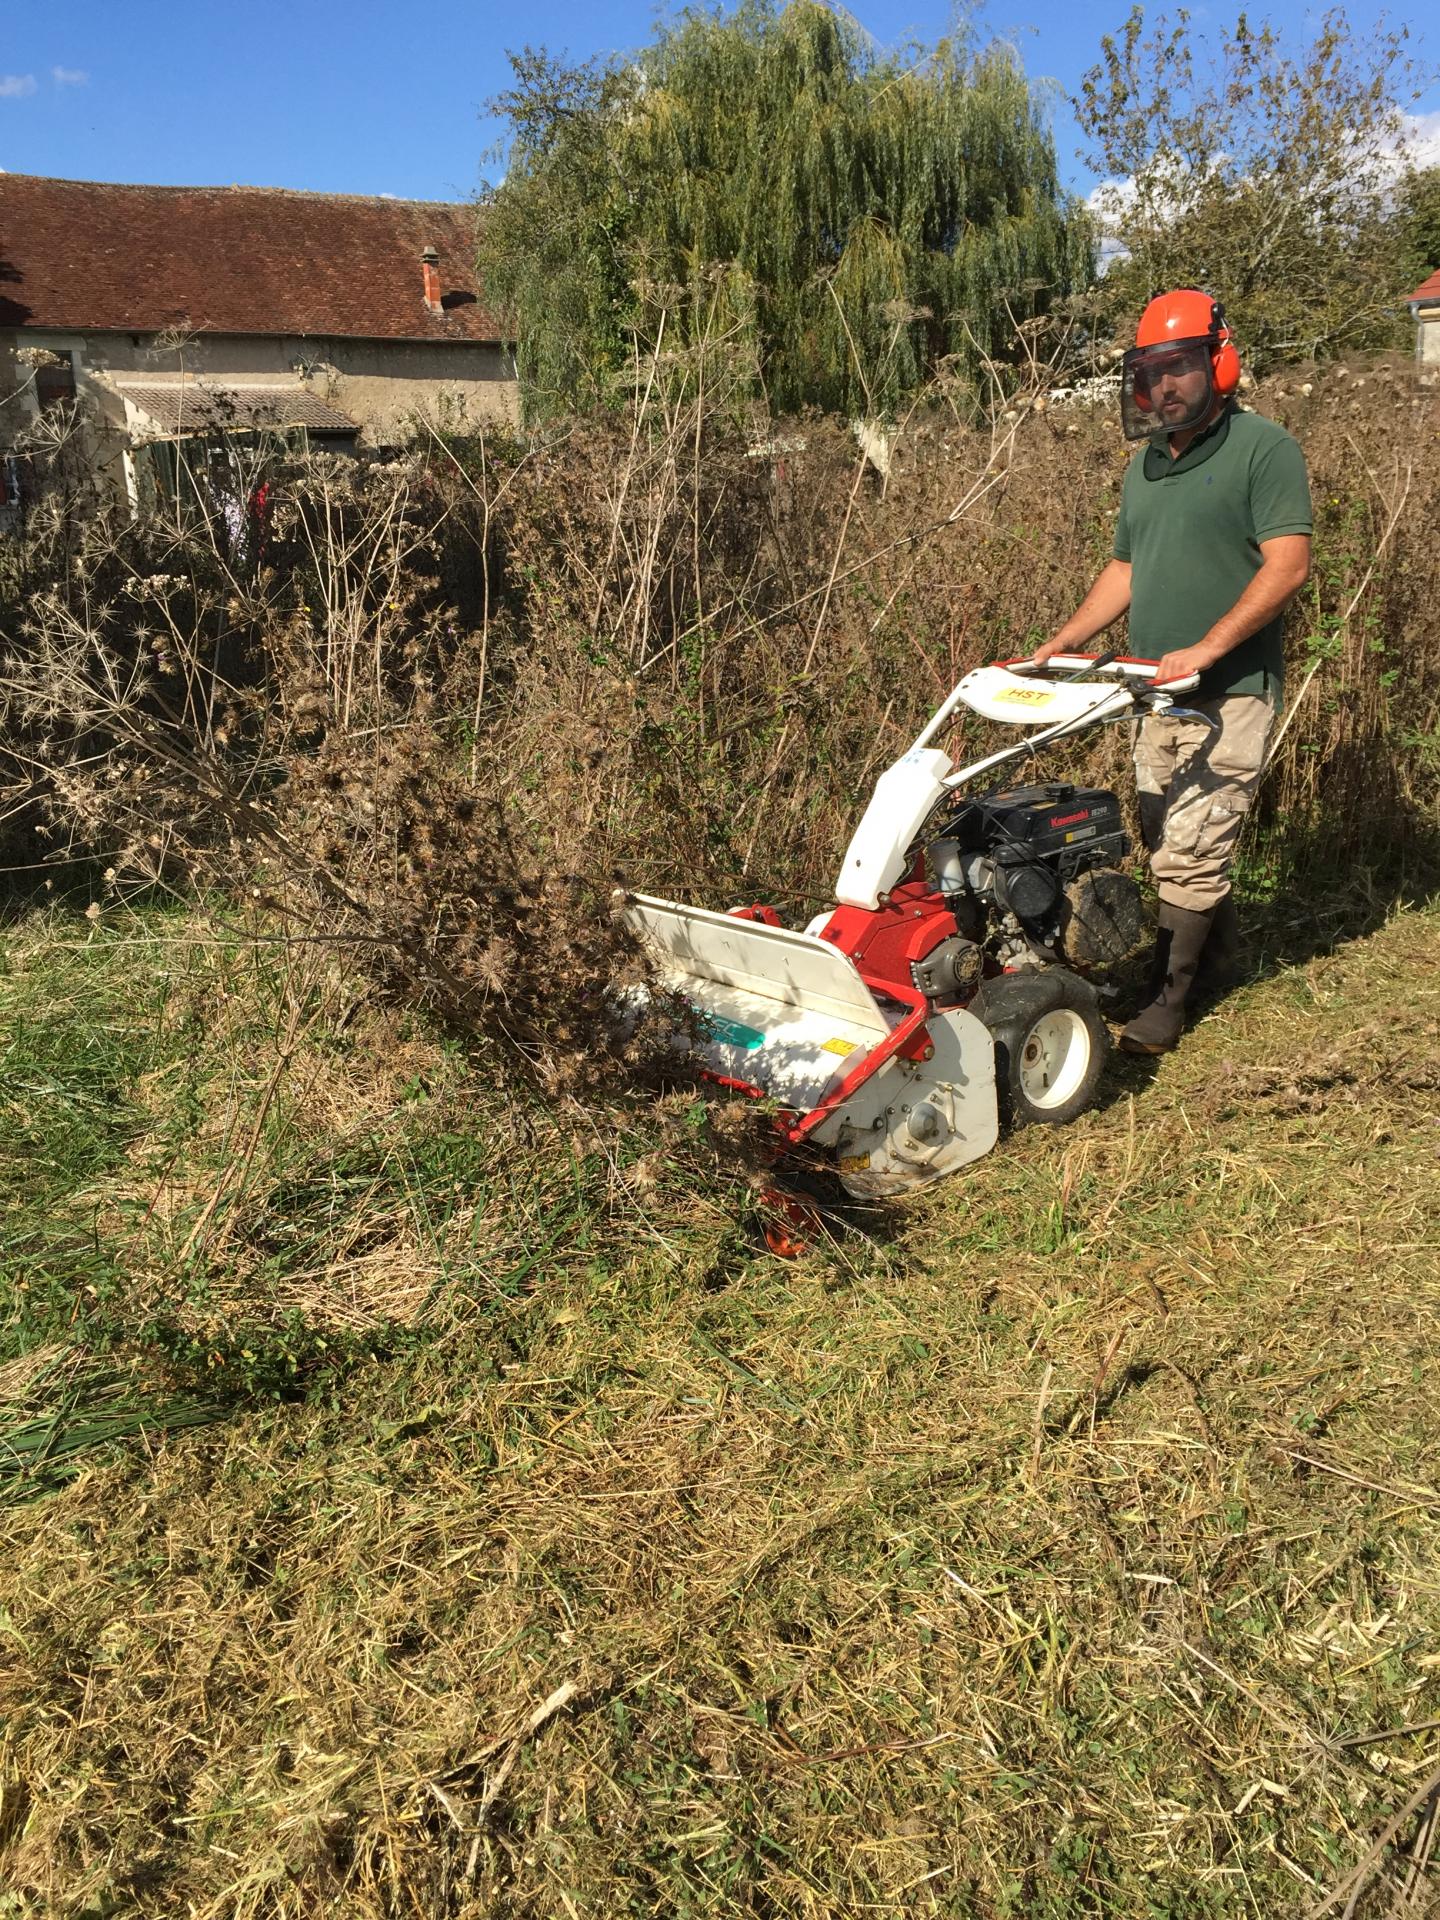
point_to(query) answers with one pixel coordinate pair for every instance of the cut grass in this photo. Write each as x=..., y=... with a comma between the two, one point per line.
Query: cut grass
x=1033, y=1551
x=54, y=1410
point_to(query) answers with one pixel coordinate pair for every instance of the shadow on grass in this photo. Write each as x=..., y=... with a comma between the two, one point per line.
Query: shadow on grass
x=1298, y=900
x=67, y=885
x=1301, y=895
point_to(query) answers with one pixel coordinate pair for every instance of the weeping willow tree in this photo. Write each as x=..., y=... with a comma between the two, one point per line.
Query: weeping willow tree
x=843, y=221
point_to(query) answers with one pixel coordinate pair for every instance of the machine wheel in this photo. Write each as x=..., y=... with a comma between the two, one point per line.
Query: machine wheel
x=1050, y=1045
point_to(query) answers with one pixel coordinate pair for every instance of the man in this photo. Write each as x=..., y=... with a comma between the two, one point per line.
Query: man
x=1212, y=541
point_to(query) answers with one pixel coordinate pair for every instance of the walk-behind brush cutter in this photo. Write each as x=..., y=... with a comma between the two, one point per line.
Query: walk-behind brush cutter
x=943, y=994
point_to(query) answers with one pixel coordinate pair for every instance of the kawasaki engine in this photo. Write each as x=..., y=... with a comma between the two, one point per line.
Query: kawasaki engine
x=1034, y=875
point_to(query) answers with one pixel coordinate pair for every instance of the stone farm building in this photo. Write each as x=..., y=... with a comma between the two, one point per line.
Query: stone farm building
x=1424, y=304
x=196, y=313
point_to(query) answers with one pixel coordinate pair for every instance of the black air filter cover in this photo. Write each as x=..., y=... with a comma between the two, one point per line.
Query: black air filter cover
x=1028, y=888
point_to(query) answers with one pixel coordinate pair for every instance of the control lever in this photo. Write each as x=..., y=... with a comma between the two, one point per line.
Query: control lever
x=1096, y=665
x=1160, y=701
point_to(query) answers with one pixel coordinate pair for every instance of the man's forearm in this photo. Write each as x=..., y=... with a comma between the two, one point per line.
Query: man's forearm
x=1267, y=595
x=1101, y=608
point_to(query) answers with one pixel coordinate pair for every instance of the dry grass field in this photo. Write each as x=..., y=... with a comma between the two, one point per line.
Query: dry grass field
x=427, y=1501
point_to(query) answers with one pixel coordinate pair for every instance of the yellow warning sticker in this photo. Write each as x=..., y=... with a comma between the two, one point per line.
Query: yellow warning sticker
x=854, y=1162
x=842, y=1047
x=1025, y=696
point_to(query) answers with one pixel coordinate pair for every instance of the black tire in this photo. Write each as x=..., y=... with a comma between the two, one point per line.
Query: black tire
x=1050, y=1045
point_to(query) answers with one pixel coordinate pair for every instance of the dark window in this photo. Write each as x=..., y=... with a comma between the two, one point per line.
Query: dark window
x=56, y=385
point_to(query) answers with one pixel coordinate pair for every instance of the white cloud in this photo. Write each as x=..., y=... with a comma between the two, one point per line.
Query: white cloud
x=1420, y=139
x=69, y=77
x=1105, y=203
x=15, y=86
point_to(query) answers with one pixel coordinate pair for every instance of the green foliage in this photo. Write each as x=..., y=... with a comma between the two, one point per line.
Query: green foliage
x=1420, y=222
x=1263, y=175
x=763, y=188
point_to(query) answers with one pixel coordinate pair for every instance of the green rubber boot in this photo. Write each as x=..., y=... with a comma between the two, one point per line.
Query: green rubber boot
x=1178, y=946
x=1219, y=967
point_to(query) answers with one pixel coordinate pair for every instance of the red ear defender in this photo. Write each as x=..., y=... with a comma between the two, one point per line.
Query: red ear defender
x=1224, y=361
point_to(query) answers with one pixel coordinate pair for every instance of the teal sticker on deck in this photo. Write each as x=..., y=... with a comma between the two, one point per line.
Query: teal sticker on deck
x=731, y=1034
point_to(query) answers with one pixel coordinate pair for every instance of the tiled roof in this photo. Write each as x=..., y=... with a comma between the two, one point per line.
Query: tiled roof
x=1427, y=294
x=86, y=256
x=179, y=408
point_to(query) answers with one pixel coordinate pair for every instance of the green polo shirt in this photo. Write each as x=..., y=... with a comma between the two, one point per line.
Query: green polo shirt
x=1191, y=529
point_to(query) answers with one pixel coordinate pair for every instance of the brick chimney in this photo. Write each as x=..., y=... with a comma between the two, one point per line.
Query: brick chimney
x=430, y=267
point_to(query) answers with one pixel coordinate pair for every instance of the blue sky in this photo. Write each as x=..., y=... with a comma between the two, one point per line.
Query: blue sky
x=373, y=98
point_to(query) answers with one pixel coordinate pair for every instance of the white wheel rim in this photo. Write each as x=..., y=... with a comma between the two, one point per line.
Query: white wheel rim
x=1054, y=1057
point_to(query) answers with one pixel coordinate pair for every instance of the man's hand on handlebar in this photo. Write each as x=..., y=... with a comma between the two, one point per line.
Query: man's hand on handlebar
x=1047, y=651
x=1184, y=660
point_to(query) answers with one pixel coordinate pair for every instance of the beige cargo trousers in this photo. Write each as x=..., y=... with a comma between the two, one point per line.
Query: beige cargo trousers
x=1196, y=785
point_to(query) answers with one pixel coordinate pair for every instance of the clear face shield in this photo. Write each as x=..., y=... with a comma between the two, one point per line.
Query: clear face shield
x=1165, y=389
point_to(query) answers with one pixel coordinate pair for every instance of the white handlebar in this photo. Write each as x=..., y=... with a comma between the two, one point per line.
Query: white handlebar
x=1122, y=667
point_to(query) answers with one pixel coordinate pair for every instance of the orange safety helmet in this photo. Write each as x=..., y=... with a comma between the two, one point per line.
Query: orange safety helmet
x=1181, y=334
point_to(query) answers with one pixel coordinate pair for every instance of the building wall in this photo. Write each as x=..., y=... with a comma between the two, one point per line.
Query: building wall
x=1427, y=336
x=385, y=386
x=103, y=437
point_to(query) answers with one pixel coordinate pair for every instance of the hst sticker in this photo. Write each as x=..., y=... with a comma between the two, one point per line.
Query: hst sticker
x=731, y=1033
x=1025, y=696
x=842, y=1047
